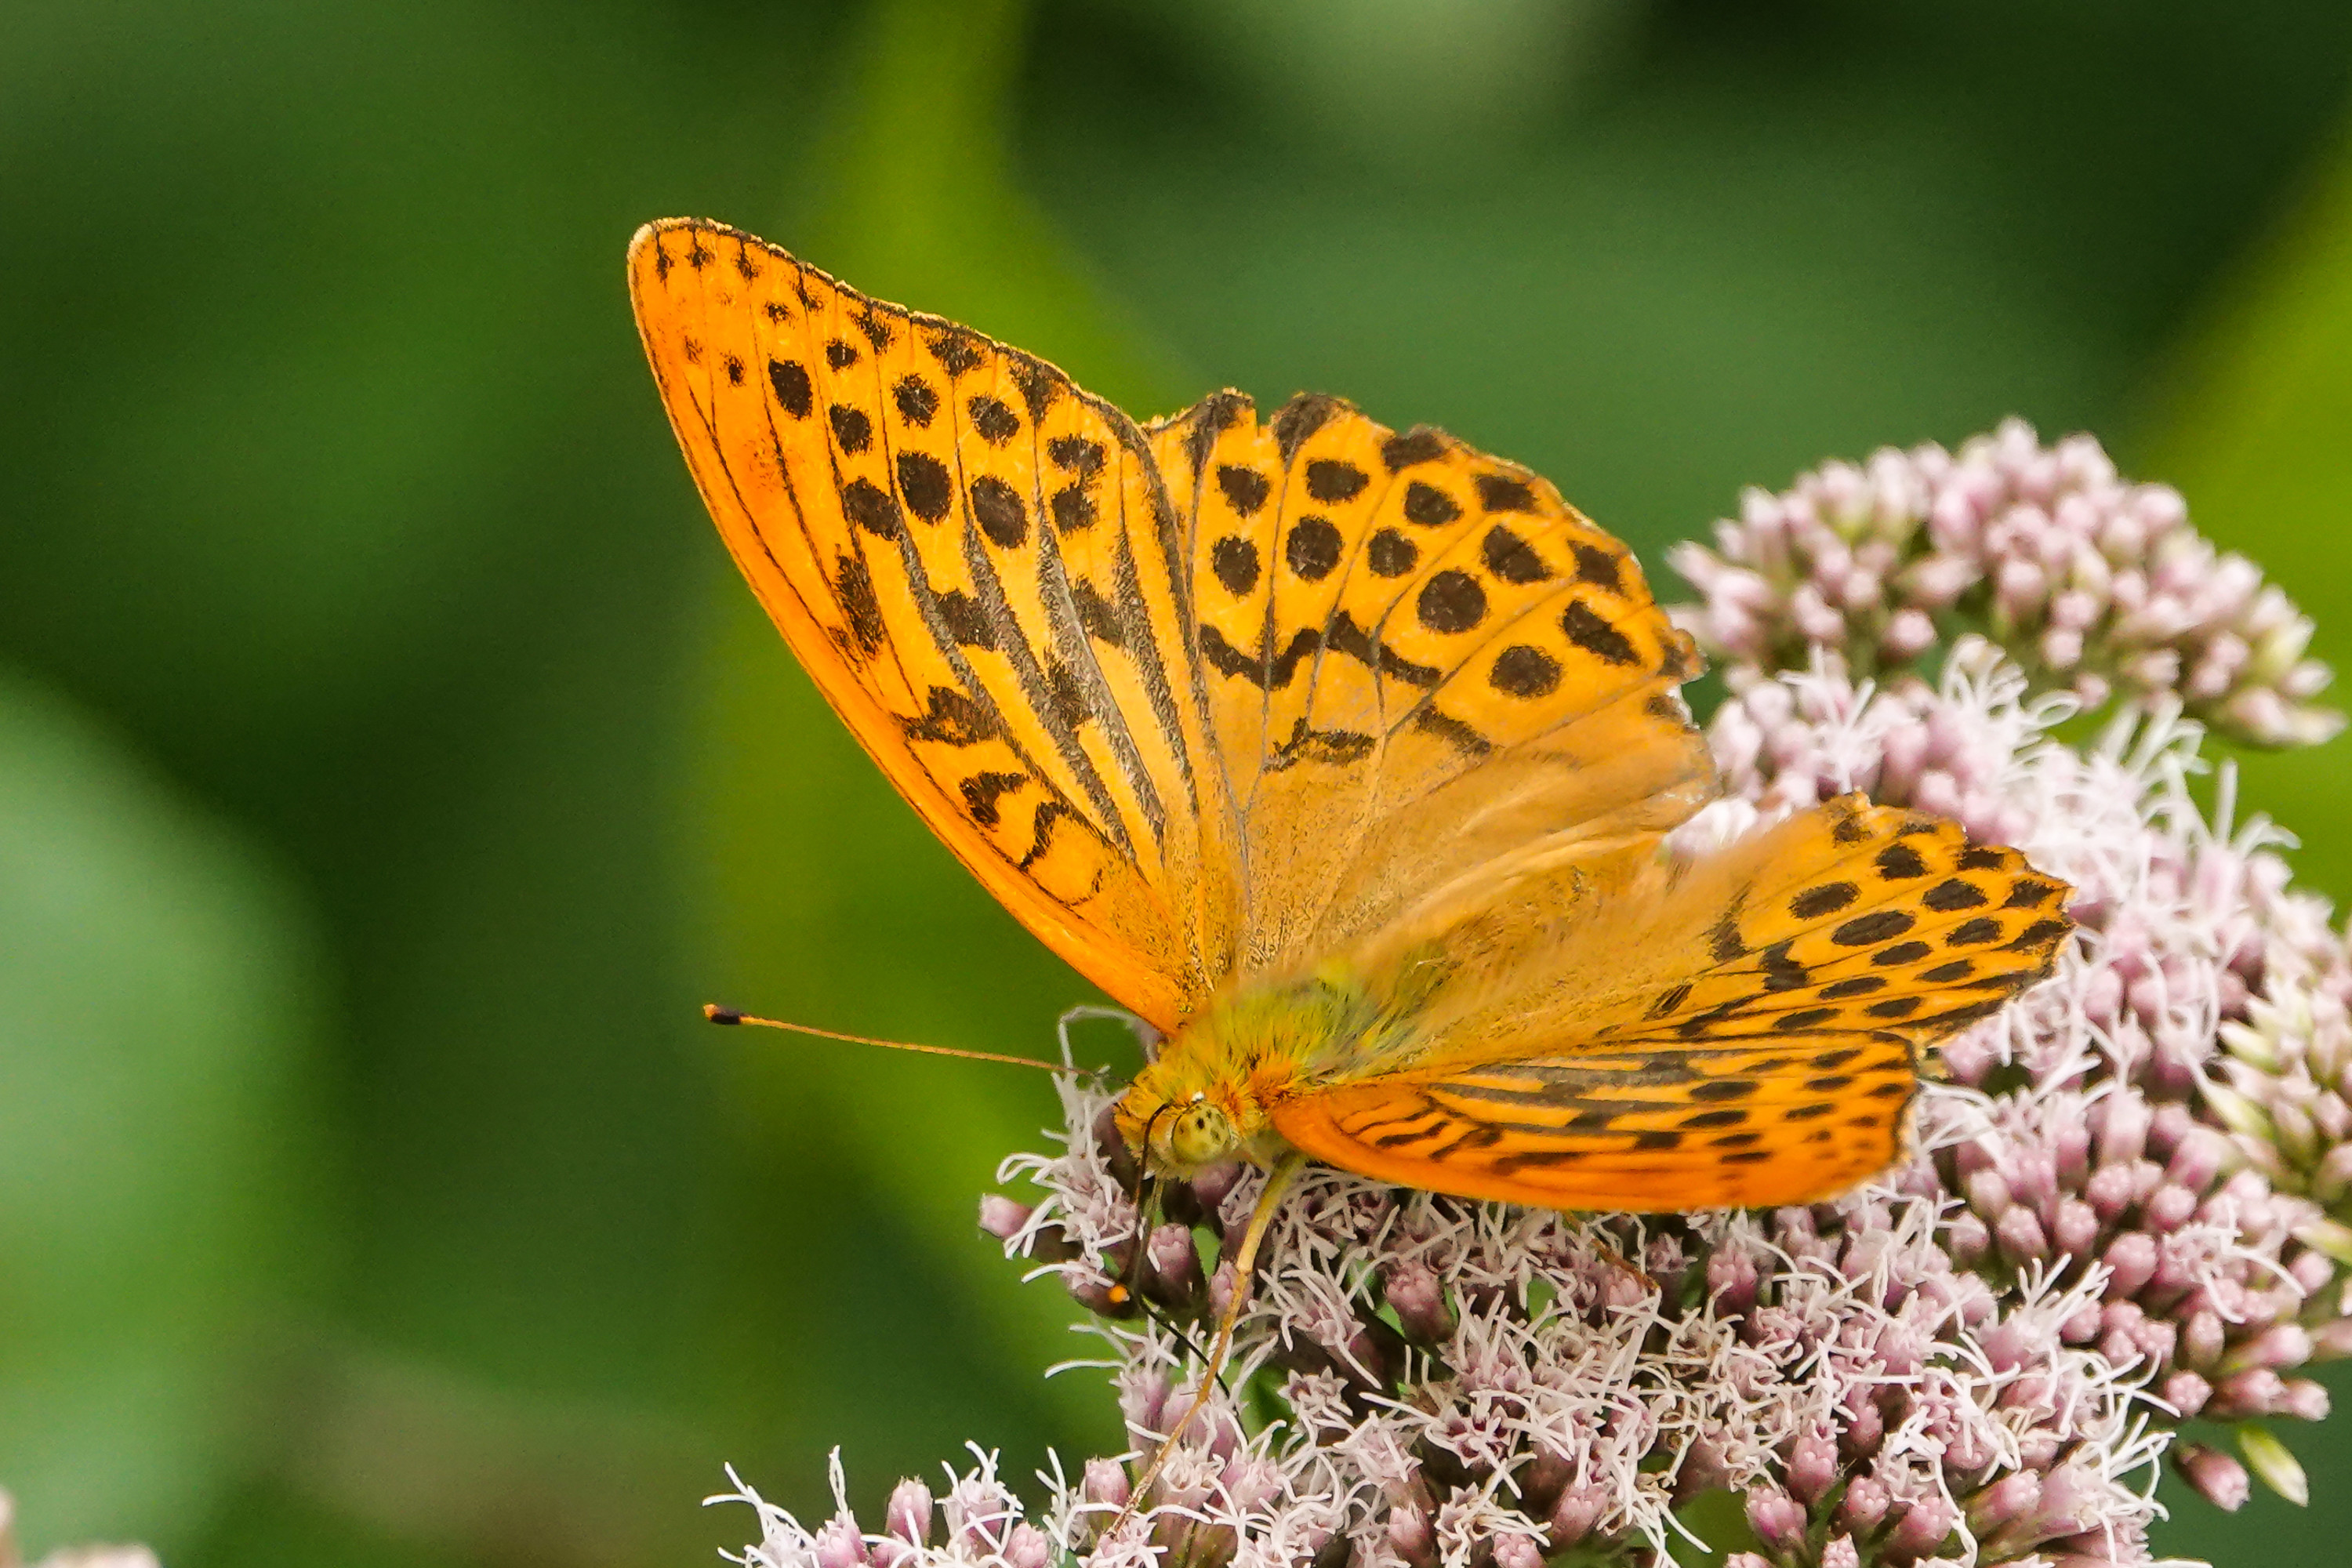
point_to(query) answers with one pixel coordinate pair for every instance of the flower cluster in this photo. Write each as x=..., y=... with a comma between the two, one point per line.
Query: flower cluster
x=2089, y=582
x=2129, y=1202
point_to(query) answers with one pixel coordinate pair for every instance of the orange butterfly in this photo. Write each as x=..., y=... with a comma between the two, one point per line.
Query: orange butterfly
x=1343, y=756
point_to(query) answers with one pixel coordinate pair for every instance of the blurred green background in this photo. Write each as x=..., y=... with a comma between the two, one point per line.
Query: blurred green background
x=390, y=762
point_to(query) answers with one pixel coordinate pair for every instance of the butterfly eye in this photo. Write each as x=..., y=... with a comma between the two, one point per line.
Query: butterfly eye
x=1202, y=1132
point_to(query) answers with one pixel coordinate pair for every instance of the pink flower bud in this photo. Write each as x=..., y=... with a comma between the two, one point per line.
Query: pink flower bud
x=1777, y=1519
x=1410, y=1533
x=1864, y=1504
x=1001, y=1217
x=838, y=1545
x=1516, y=1552
x=1921, y=1530
x=1575, y=1515
x=2076, y=1231
x=907, y=1514
x=2187, y=1393
x=1731, y=1280
x=1840, y=1553
x=1419, y=1299
x=2008, y=1501
x=1104, y=1481
x=2202, y=1341
x=1812, y=1465
x=1175, y=1262
x=2280, y=1345
x=2020, y=1237
x=2222, y=1481
x=1028, y=1547
x=1909, y=633
x=2131, y=1260
x=2303, y=1398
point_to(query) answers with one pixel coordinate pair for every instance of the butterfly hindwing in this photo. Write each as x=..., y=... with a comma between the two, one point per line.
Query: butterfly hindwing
x=975, y=560
x=1738, y=1031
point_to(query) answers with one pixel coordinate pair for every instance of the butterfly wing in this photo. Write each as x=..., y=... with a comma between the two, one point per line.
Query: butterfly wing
x=1659, y=1035
x=1417, y=657
x=978, y=564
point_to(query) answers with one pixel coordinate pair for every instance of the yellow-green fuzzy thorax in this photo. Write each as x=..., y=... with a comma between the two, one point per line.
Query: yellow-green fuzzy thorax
x=1210, y=1094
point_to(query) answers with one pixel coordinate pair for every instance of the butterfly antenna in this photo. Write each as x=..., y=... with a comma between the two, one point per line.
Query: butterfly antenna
x=1127, y=1287
x=718, y=1015
x=1277, y=1181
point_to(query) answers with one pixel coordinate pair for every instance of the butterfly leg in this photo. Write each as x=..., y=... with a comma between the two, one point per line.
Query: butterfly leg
x=1277, y=1181
x=1610, y=1255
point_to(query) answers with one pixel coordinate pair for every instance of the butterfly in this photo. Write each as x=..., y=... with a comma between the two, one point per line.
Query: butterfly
x=1345, y=757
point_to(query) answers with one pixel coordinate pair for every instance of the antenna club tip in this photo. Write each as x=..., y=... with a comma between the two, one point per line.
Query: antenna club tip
x=717, y=1015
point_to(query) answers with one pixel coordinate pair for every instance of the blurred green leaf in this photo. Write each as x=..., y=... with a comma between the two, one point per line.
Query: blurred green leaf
x=158, y=992
x=2259, y=438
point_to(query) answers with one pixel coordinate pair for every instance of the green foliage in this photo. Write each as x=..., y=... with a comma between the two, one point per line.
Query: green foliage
x=159, y=984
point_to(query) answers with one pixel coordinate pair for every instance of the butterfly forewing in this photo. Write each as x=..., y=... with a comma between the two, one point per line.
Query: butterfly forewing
x=1741, y=1031
x=899, y=491
x=1417, y=656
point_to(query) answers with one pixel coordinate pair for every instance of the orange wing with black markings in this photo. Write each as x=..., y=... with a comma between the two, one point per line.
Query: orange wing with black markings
x=979, y=564
x=1417, y=656
x=1740, y=1031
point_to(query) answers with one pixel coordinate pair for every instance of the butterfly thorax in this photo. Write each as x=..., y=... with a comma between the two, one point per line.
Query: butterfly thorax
x=1211, y=1093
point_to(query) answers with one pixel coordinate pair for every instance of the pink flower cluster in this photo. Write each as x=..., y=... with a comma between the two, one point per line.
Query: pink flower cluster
x=2128, y=1205
x=2088, y=581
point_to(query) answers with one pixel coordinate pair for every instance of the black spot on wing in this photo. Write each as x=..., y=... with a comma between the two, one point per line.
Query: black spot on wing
x=1330, y=481
x=1040, y=387
x=1900, y=862
x=1511, y=558
x=1245, y=490
x=924, y=482
x=1596, y=637
x=854, y=585
x=1225, y=659
x=793, y=392
x=1426, y=506
x=1825, y=900
x=1421, y=443
x=1524, y=670
x=1076, y=454
x=955, y=351
x=1452, y=731
x=917, y=399
x=1500, y=492
x=951, y=717
x=1451, y=602
x=851, y=427
x=1073, y=508
x=1870, y=930
x=1002, y=514
x=1391, y=554
x=1597, y=567
x=1301, y=417
x=872, y=508
x=1214, y=415
x=1235, y=561
x=966, y=621
x=981, y=791
x=996, y=423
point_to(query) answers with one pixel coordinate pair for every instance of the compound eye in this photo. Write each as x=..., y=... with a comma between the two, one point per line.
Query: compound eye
x=1201, y=1134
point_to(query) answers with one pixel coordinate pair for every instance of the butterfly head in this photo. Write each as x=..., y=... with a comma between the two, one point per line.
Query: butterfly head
x=1210, y=1093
